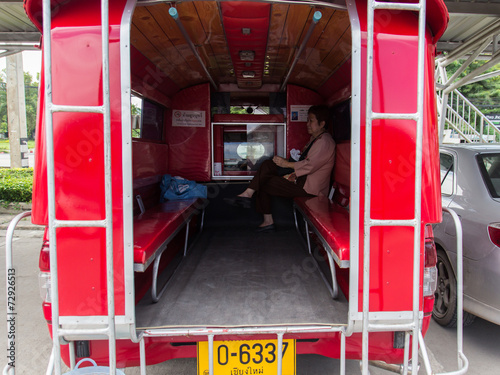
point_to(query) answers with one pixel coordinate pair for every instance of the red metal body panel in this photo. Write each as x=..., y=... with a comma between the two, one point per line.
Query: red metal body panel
x=393, y=174
x=255, y=16
x=160, y=349
x=78, y=143
x=189, y=147
x=39, y=214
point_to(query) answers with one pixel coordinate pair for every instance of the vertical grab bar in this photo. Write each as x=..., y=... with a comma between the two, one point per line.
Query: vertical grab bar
x=10, y=309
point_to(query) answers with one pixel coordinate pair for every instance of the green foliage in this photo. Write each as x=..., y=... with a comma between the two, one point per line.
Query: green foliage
x=239, y=111
x=4, y=145
x=485, y=95
x=135, y=109
x=16, y=184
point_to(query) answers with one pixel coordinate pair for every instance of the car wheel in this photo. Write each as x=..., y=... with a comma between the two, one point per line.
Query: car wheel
x=445, y=296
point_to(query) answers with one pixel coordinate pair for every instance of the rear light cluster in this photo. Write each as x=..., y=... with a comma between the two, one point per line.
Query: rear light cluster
x=44, y=281
x=430, y=257
x=494, y=232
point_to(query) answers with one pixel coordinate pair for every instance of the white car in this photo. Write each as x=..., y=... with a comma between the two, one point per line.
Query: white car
x=470, y=185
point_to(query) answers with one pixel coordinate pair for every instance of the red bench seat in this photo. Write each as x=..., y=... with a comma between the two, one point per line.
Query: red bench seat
x=331, y=221
x=158, y=225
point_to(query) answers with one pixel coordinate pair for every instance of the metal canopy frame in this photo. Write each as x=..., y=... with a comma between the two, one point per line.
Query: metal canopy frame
x=17, y=33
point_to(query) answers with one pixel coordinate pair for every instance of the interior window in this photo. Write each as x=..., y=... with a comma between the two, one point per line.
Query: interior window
x=147, y=119
x=447, y=173
x=136, y=109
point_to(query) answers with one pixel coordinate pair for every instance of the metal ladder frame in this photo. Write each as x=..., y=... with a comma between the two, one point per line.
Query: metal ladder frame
x=53, y=223
x=415, y=223
x=373, y=5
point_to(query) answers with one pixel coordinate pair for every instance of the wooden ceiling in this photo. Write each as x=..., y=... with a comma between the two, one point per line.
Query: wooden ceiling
x=274, y=28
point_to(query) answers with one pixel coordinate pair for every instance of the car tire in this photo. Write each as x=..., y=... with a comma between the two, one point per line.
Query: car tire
x=445, y=296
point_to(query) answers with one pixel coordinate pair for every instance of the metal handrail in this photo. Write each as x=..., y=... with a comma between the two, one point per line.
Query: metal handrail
x=451, y=106
x=463, y=363
x=9, y=266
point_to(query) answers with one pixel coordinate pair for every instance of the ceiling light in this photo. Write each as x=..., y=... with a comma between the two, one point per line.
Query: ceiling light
x=247, y=55
x=248, y=74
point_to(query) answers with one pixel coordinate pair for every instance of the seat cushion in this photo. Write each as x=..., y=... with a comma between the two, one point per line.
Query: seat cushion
x=332, y=222
x=158, y=223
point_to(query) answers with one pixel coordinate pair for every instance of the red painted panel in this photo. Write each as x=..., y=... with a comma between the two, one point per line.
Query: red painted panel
x=79, y=157
x=273, y=119
x=393, y=175
x=338, y=87
x=296, y=132
x=39, y=214
x=149, y=159
x=149, y=80
x=189, y=147
x=255, y=16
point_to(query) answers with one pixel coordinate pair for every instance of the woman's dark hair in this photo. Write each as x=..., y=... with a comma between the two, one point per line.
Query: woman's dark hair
x=321, y=112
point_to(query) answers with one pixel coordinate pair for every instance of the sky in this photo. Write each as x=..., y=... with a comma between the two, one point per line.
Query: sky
x=32, y=61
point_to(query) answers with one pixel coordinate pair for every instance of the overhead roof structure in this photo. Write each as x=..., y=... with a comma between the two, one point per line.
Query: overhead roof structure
x=467, y=19
x=17, y=33
x=473, y=33
x=472, y=23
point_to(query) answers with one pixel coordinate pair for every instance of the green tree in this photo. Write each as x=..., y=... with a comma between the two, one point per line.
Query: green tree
x=3, y=106
x=31, y=98
x=485, y=95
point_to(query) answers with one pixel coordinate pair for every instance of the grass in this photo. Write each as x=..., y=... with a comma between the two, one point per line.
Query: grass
x=5, y=145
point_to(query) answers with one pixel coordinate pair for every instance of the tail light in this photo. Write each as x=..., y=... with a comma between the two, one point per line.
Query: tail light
x=44, y=281
x=44, y=260
x=430, y=261
x=494, y=232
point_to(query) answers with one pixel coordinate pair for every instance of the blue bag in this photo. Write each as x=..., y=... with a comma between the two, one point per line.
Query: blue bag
x=178, y=188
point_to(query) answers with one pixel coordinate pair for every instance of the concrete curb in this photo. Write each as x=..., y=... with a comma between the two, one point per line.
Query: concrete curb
x=15, y=208
x=7, y=213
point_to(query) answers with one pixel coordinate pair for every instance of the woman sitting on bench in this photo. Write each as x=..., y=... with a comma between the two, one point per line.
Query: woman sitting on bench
x=309, y=176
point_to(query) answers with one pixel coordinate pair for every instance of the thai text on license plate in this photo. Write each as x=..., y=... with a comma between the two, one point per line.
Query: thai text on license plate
x=247, y=357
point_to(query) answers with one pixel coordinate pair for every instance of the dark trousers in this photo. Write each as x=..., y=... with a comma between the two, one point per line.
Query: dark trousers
x=267, y=183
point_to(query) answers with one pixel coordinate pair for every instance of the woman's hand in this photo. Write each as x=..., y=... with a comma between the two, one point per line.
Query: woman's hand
x=282, y=162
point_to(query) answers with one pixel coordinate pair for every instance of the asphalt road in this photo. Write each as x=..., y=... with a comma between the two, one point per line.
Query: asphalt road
x=33, y=345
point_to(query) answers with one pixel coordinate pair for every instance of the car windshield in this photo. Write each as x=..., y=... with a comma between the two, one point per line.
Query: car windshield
x=490, y=169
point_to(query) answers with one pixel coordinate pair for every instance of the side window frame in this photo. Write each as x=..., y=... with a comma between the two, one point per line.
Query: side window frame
x=452, y=170
x=140, y=132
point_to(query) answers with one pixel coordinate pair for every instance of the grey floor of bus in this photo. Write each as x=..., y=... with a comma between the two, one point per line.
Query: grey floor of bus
x=235, y=276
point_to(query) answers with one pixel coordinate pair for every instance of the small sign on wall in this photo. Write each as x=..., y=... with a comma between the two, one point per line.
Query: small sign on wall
x=188, y=118
x=298, y=113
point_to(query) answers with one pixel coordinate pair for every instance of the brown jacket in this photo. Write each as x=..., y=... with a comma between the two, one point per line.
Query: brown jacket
x=318, y=165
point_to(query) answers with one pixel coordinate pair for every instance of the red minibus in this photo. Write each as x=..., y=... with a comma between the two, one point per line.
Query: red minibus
x=133, y=92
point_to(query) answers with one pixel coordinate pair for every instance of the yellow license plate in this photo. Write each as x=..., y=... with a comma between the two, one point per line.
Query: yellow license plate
x=247, y=357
